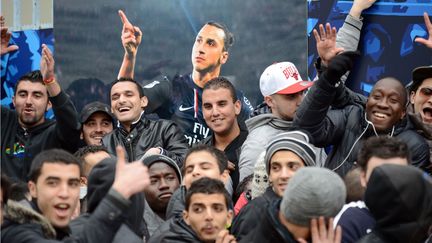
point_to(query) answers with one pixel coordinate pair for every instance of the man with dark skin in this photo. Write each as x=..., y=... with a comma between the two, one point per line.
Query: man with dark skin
x=165, y=178
x=347, y=127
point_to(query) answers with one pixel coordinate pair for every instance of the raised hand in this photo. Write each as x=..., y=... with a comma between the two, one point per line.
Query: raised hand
x=326, y=43
x=5, y=38
x=130, y=178
x=47, y=63
x=428, y=23
x=131, y=35
x=322, y=233
x=225, y=237
x=360, y=5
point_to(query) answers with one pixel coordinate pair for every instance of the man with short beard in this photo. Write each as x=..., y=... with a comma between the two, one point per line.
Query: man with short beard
x=283, y=90
x=25, y=131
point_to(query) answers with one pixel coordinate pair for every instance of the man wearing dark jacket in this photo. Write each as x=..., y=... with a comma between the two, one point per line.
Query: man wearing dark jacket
x=400, y=199
x=311, y=193
x=221, y=108
x=347, y=127
x=207, y=212
x=137, y=134
x=420, y=108
x=200, y=161
x=286, y=153
x=25, y=131
x=165, y=178
x=55, y=186
x=355, y=218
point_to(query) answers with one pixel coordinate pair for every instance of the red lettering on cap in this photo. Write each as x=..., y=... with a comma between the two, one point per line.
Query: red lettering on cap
x=291, y=72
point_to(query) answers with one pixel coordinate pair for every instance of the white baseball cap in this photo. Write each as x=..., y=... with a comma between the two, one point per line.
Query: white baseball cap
x=282, y=78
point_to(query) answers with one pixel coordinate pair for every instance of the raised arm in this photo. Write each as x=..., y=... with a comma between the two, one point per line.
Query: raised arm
x=5, y=36
x=131, y=39
x=330, y=43
x=67, y=128
x=428, y=23
x=47, y=70
x=313, y=113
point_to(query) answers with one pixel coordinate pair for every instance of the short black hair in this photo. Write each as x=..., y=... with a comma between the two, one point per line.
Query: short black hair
x=51, y=156
x=18, y=191
x=228, y=36
x=242, y=186
x=220, y=156
x=221, y=82
x=83, y=151
x=139, y=87
x=383, y=147
x=207, y=186
x=33, y=76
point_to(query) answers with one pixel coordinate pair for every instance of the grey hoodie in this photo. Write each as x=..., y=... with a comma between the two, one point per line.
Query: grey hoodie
x=262, y=129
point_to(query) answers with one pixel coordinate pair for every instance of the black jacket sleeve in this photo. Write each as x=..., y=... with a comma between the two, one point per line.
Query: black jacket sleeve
x=67, y=128
x=174, y=144
x=314, y=114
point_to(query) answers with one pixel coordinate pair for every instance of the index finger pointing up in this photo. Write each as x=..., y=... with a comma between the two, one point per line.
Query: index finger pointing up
x=123, y=17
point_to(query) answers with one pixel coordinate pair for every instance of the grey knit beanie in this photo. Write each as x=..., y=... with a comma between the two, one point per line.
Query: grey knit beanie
x=294, y=141
x=312, y=192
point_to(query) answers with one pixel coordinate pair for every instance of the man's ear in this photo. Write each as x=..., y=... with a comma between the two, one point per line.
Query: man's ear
x=269, y=101
x=32, y=189
x=412, y=97
x=403, y=114
x=225, y=176
x=237, y=107
x=363, y=182
x=224, y=57
x=186, y=217
x=49, y=105
x=144, y=102
x=229, y=217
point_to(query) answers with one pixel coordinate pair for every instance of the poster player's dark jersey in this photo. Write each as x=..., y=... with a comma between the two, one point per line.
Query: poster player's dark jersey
x=184, y=106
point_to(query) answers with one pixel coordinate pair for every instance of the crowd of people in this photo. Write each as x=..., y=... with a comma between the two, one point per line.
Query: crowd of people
x=190, y=160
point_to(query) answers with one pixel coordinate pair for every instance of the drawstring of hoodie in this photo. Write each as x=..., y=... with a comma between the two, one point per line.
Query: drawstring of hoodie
x=358, y=139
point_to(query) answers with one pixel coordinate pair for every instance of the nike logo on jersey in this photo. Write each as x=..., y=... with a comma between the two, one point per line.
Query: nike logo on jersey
x=181, y=108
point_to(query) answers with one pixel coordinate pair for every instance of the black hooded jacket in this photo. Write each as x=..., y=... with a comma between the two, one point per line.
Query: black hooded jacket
x=250, y=215
x=100, y=181
x=269, y=228
x=20, y=146
x=400, y=199
x=179, y=232
x=347, y=127
x=27, y=225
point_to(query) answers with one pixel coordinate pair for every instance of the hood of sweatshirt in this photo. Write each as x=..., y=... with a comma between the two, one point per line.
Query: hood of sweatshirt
x=268, y=119
x=400, y=199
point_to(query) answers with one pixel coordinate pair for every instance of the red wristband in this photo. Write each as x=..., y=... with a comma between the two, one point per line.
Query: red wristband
x=49, y=80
